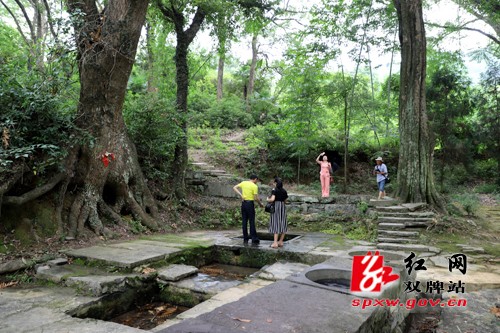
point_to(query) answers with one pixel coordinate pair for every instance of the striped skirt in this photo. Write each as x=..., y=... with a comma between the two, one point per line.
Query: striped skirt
x=278, y=224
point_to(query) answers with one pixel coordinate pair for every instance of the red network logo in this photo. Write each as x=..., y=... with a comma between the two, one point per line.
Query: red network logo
x=369, y=273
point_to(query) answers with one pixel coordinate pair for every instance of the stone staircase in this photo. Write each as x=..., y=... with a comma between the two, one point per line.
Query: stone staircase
x=399, y=226
x=209, y=170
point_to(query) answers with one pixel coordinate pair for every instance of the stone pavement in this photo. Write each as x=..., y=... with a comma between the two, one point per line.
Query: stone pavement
x=273, y=300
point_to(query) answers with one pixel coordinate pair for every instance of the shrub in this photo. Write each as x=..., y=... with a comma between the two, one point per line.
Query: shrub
x=468, y=201
x=489, y=188
x=36, y=125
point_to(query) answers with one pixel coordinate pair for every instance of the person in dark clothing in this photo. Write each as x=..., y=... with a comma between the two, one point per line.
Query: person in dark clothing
x=278, y=223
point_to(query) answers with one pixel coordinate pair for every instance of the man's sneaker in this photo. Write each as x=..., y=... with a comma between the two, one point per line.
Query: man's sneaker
x=255, y=241
x=245, y=240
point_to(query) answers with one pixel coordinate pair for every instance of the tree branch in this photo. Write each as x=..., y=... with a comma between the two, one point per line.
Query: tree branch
x=33, y=194
x=456, y=28
x=17, y=23
x=28, y=21
x=49, y=19
x=195, y=25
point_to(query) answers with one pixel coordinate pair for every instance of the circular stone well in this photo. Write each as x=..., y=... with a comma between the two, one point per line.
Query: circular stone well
x=333, y=278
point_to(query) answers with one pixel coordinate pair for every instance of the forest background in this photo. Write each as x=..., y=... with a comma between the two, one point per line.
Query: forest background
x=73, y=163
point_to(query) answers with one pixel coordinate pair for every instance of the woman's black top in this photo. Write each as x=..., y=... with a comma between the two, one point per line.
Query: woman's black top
x=279, y=194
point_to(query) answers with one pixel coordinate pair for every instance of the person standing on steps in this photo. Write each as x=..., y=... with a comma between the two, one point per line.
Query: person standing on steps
x=277, y=222
x=324, y=174
x=249, y=194
x=381, y=172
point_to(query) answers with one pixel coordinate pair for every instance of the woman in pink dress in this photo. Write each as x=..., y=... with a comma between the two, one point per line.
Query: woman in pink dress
x=324, y=174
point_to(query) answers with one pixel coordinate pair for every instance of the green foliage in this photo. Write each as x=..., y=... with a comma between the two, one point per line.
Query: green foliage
x=487, y=189
x=37, y=119
x=335, y=229
x=135, y=226
x=469, y=202
x=363, y=206
x=228, y=113
x=220, y=219
x=152, y=124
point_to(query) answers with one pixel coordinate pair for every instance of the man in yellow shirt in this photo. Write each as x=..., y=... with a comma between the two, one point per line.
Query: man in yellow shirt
x=249, y=193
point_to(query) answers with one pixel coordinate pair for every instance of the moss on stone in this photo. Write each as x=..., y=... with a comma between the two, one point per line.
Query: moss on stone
x=177, y=296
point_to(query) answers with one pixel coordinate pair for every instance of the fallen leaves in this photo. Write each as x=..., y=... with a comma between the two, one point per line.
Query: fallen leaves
x=4, y=285
x=242, y=320
x=148, y=270
x=496, y=311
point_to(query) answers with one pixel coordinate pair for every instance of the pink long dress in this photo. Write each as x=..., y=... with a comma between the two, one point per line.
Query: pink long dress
x=324, y=177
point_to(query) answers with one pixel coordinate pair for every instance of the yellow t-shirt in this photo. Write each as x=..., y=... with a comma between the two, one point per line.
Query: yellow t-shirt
x=248, y=189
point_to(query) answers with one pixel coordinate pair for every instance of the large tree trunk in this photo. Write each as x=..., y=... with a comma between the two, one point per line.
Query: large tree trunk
x=415, y=177
x=107, y=44
x=184, y=39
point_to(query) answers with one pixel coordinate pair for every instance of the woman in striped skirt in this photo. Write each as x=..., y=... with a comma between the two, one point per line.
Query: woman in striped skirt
x=277, y=224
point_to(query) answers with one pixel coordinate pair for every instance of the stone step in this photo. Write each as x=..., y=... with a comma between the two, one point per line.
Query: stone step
x=409, y=214
x=393, y=233
x=393, y=209
x=391, y=226
x=405, y=220
x=404, y=247
x=396, y=240
x=403, y=208
x=382, y=203
x=417, y=224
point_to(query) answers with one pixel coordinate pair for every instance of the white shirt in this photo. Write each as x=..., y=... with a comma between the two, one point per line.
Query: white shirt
x=382, y=168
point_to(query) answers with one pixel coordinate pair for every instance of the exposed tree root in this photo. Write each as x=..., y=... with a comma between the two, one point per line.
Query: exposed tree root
x=35, y=193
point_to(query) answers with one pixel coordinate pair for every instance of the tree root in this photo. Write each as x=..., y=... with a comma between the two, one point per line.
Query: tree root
x=35, y=193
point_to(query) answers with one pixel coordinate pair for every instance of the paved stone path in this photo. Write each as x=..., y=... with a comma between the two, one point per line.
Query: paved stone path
x=274, y=300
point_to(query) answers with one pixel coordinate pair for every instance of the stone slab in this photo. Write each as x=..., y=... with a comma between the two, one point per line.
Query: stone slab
x=176, y=272
x=474, y=280
x=403, y=247
x=281, y=270
x=395, y=240
x=391, y=226
x=414, y=206
x=13, y=265
x=205, y=284
x=124, y=256
x=99, y=285
x=57, y=262
x=476, y=316
x=394, y=233
x=283, y=307
x=404, y=219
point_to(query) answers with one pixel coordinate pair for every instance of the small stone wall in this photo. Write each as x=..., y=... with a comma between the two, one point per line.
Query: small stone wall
x=336, y=204
x=304, y=204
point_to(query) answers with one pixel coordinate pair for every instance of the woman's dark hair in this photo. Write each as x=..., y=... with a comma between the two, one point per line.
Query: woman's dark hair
x=279, y=183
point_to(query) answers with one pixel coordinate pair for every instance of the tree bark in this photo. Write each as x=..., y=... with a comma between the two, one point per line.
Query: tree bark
x=220, y=72
x=415, y=170
x=107, y=44
x=184, y=39
x=251, y=76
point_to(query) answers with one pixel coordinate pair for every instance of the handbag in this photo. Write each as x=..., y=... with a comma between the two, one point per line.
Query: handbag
x=387, y=180
x=269, y=207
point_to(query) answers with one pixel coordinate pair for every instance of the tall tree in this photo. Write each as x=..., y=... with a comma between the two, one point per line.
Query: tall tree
x=173, y=11
x=415, y=178
x=106, y=173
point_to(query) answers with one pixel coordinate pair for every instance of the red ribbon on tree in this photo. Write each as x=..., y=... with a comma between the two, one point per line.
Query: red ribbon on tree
x=106, y=158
